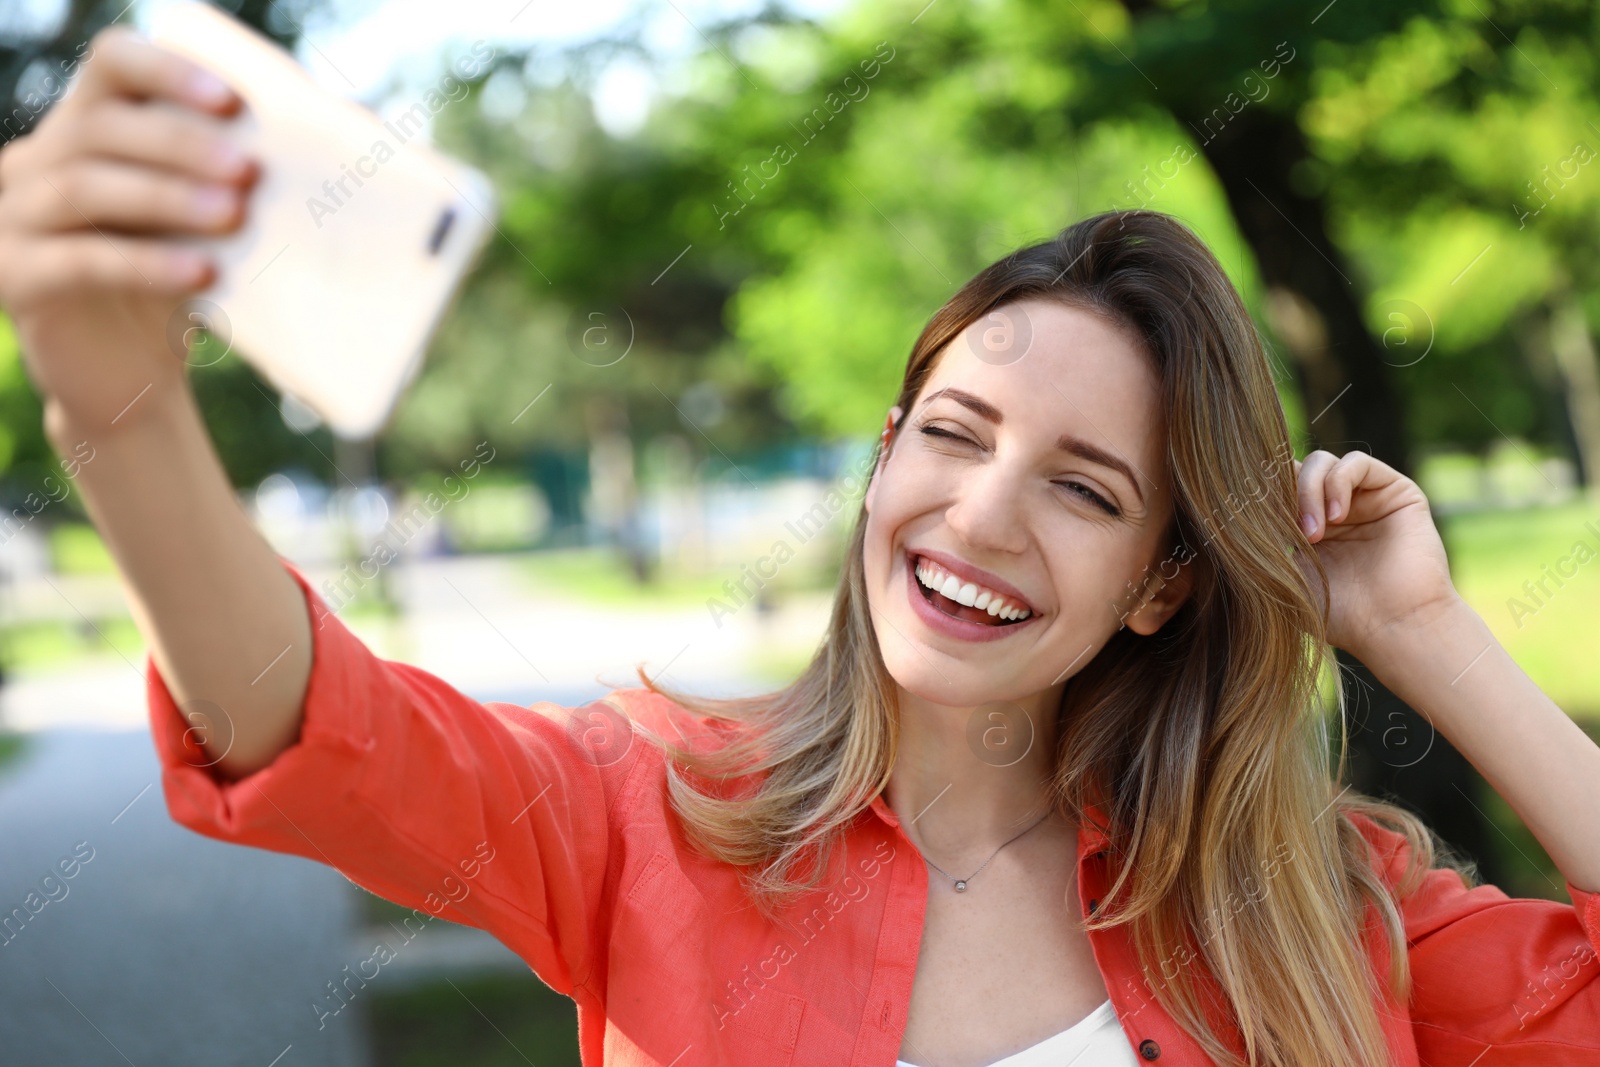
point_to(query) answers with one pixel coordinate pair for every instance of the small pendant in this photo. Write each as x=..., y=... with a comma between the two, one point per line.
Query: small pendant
x=961, y=886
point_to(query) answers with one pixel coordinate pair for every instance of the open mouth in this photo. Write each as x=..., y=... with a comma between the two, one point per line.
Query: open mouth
x=965, y=600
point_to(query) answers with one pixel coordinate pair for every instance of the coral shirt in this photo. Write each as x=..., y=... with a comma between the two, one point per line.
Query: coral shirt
x=550, y=828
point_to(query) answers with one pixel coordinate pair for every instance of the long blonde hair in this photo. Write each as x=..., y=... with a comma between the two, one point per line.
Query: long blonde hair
x=1206, y=744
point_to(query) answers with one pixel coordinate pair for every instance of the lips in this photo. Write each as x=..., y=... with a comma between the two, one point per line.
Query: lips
x=959, y=600
x=967, y=572
x=947, y=587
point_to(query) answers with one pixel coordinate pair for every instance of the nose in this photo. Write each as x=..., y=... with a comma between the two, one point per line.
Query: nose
x=988, y=512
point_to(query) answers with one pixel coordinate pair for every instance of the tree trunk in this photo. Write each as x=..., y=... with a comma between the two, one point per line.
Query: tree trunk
x=1573, y=349
x=1345, y=374
x=1532, y=335
x=613, y=504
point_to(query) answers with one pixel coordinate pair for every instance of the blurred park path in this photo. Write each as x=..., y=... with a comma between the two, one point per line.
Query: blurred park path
x=161, y=946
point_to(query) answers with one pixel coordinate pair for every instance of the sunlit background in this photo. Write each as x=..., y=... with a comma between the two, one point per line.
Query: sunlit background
x=723, y=226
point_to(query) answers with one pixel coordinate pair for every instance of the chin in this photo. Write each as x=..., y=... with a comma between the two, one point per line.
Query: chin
x=933, y=676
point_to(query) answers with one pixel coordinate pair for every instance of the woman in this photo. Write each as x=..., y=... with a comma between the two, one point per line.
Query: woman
x=1055, y=786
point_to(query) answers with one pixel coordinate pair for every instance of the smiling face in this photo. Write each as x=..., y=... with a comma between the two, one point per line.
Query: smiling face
x=1014, y=506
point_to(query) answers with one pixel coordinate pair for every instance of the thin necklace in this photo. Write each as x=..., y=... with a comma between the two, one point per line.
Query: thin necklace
x=961, y=883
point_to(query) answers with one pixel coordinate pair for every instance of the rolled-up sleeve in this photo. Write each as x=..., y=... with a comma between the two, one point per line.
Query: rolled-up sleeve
x=1511, y=980
x=492, y=815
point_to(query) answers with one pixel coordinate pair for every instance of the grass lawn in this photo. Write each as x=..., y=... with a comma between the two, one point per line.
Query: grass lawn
x=1493, y=554
x=54, y=643
x=491, y=1021
x=494, y=1021
x=599, y=576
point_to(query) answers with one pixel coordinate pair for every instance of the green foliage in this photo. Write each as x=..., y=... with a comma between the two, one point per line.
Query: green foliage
x=442, y=1024
x=1451, y=157
x=25, y=454
x=241, y=412
x=803, y=197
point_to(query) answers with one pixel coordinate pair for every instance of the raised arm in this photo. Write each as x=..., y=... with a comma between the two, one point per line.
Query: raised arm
x=274, y=725
x=1395, y=608
x=92, y=204
x=1494, y=979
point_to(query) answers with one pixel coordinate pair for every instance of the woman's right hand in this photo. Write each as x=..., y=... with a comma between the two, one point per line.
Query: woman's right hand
x=93, y=205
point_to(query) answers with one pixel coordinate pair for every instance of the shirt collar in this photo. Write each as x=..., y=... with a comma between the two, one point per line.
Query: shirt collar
x=1091, y=839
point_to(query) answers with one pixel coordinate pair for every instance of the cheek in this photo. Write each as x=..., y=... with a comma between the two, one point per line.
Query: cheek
x=882, y=505
x=894, y=506
x=1094, y=583
x=875, y=550
x=912, y=484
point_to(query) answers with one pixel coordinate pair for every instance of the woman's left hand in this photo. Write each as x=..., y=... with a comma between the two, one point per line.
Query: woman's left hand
x=1373, y=531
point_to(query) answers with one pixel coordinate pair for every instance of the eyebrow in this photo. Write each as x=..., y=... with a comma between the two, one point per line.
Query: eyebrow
x=1068, y=443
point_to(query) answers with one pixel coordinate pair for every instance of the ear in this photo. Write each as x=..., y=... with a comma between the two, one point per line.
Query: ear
x=1169, y=584
x=886, y=442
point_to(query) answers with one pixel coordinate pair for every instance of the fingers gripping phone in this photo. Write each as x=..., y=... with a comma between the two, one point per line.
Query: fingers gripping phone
x=356, y=235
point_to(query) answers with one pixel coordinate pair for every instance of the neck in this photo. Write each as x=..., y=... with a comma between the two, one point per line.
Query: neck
x=968, y=778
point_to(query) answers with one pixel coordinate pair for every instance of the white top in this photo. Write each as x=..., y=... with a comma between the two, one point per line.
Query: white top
x=1097, y=1040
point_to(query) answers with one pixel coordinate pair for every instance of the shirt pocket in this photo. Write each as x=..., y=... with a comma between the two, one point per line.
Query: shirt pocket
x=766, y=1030
x=668, y=984
x=657, y=960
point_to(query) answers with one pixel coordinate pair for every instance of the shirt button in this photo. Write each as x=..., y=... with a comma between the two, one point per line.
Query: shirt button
x=1149, y=1049
x=1093, y=904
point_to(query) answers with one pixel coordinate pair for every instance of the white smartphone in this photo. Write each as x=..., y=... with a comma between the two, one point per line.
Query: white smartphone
x=356, y=237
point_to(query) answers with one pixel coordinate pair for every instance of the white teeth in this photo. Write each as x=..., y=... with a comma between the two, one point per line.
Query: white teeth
x=969, y=594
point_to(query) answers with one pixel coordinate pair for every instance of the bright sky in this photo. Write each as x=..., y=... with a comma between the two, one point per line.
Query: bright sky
x=366, y=47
